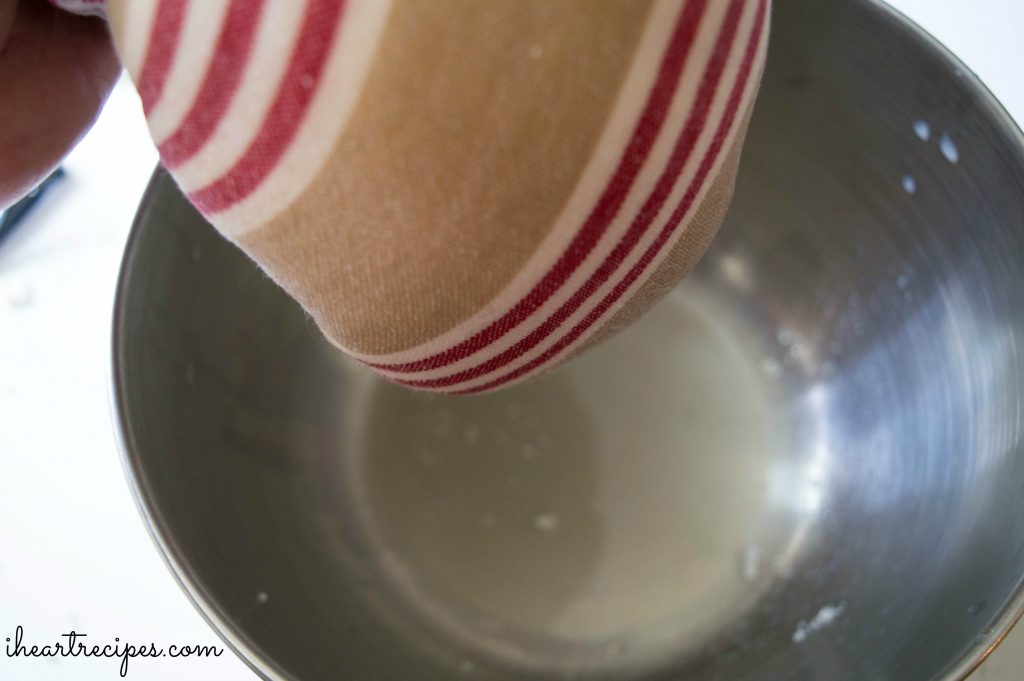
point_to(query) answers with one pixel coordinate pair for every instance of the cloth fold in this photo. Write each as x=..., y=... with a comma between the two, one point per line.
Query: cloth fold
x=462, y=194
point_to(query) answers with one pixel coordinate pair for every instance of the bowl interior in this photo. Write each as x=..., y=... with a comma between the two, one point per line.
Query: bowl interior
x=806, y=463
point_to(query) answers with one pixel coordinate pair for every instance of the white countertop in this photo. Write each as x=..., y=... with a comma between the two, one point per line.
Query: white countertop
x=74, y=553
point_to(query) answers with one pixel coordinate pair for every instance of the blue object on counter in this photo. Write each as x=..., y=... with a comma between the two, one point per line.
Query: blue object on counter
x=13, y=216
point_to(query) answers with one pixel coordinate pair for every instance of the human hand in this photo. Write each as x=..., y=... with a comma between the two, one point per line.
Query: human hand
x=56, y=70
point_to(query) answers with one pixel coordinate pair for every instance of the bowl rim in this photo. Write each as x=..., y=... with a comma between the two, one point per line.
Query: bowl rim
x=177, y=563
x=141, y=491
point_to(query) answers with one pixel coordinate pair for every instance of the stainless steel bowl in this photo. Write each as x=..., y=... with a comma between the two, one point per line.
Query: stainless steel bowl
x=807, y=463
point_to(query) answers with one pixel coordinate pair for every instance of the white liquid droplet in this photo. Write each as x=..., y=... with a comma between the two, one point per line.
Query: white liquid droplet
x=546, y=522
x=922, y=130
x=948, y=148
x=826, y=616
x=909, y=184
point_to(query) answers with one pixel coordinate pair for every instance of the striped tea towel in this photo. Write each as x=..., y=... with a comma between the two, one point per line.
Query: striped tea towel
x=462, y=193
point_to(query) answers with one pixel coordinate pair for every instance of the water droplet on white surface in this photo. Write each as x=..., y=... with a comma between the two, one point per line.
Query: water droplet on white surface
x=922, y=130
x=545, y=522
x=909, y=184
x=948, y=148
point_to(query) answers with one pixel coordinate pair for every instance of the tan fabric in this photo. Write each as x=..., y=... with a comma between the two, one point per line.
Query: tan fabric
x=460, y=193
x=449, y=175
x=687, y=251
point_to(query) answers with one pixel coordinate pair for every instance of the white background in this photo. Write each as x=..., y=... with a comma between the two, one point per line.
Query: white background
x=73, y=550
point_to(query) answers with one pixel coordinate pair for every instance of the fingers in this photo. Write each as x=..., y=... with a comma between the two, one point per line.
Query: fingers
x=55, y=73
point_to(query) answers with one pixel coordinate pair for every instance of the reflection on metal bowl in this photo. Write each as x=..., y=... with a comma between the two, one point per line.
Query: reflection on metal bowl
x=805, y=464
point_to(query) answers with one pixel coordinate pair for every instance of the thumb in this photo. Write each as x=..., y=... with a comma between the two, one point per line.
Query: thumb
x=55, y=73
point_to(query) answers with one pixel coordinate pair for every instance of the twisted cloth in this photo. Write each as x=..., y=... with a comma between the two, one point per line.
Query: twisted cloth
x=461, y=193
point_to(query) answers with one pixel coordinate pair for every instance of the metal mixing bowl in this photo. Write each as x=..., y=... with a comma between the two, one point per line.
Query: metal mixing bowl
x=805, y=464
